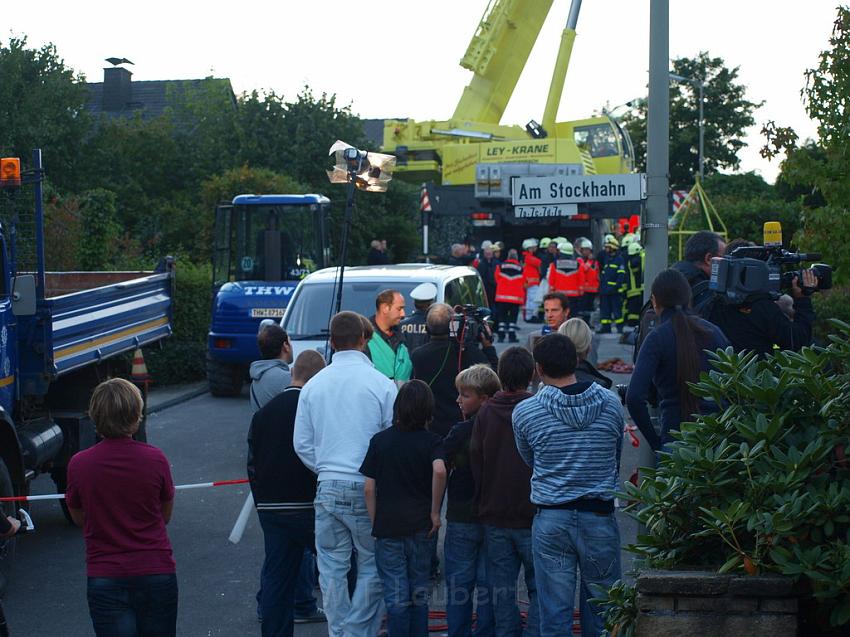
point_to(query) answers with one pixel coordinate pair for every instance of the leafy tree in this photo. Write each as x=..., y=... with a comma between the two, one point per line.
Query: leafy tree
x=817, y=173
x=726, y=112
x=99, y=229
x=42, y=105
x=745, y=201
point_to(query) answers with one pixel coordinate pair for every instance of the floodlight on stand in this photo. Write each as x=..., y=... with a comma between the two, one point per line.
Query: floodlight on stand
x=358, y=169
x=369, y=171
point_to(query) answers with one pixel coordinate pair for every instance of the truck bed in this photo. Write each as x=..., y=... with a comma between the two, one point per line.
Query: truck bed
x=102, y=314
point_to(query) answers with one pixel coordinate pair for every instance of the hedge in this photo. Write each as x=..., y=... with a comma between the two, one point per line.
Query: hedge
x=182, y=356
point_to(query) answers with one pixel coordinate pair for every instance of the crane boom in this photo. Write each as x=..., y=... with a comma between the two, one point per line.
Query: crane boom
x=559, y=74
x=497, y=55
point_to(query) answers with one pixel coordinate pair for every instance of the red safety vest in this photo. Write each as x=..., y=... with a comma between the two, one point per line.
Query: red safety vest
x=568, y=278
x=530, y=268
x=510, y=284
x=590, y=268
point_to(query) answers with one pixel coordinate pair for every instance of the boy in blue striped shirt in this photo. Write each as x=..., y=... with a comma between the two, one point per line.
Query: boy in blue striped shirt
x=570, y=433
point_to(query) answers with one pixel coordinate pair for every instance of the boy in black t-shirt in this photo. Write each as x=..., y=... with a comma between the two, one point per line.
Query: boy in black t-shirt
x=465, y=555
x=405, y=473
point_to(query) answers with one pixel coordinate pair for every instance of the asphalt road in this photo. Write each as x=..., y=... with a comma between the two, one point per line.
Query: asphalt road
x=204, y=438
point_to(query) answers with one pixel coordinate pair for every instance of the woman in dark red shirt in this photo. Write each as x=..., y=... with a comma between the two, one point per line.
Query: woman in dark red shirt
x=120, y=491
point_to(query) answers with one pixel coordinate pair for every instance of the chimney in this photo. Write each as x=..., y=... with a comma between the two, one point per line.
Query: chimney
x=117, y=91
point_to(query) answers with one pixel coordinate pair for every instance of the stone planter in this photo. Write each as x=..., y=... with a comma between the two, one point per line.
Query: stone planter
x=702, y=604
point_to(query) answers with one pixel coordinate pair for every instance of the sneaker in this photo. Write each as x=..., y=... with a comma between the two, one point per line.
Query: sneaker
x=512, y=338
x=316, y=618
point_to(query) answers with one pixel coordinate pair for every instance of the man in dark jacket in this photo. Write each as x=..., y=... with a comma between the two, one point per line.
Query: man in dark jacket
x=413, y=327
x=700, y=249
x=486, y=267
x=503, y=492
x=283, y=490
x=439, y=361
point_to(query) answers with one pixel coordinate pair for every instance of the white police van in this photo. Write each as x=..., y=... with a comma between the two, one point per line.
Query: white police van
x=308, y=314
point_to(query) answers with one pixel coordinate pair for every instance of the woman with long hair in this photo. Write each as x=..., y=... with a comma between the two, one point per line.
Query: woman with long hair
x=673, y=355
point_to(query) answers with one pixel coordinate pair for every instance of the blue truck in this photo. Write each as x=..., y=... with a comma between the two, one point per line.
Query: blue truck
x=264, y=245
x=61, y=333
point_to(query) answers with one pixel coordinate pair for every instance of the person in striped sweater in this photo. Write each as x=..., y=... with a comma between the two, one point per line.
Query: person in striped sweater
x=570, y=433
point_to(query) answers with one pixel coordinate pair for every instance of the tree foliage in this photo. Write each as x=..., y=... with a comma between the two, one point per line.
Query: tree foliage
x=42, y=105
x=727, y=113
x=816, y=174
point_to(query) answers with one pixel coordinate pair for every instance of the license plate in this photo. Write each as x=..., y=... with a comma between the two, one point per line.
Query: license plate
x=538, y=212
x=267, y=312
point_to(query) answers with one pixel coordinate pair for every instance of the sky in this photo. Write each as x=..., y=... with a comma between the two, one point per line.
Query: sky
x=399, y=58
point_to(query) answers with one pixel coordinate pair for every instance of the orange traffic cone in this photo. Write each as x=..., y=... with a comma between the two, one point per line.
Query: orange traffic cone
x=139, y=373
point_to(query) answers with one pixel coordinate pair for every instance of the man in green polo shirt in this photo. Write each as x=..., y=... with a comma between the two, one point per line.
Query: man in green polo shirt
x=387, y=348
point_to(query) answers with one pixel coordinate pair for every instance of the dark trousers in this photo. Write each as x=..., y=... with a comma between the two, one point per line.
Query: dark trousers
x=610, y=306
x=143, y=606
x=587, y=301
x=506, y=318
x=305, y=587
x=285, y=536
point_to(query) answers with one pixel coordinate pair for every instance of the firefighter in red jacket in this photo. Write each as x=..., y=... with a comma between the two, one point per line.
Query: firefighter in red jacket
x=531, y=274
x=590, y=267
x=510, y=296
x=566, y=276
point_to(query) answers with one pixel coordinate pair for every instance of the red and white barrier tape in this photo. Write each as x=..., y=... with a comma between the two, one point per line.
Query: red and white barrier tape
x=178, y=487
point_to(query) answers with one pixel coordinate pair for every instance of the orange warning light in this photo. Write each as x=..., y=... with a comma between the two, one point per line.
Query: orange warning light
x=10, y=172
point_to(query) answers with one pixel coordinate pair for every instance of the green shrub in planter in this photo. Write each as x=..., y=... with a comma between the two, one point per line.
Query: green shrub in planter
x=762, y=486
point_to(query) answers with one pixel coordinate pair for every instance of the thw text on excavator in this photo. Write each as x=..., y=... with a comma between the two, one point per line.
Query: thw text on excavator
x=467, y=163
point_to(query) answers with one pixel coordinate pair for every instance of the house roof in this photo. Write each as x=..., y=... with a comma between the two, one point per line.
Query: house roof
x=151, y=98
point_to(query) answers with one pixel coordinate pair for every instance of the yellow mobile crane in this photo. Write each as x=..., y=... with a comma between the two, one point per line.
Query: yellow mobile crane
x=467, y=162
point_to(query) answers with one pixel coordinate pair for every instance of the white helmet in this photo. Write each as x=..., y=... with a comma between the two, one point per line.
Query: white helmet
x=529, y=243
x=565, y=247
x=586, y=243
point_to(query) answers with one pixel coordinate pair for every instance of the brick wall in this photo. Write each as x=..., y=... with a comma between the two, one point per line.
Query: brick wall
x=700, y=604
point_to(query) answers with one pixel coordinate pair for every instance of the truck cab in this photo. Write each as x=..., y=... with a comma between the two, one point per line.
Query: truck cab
x=264, y=245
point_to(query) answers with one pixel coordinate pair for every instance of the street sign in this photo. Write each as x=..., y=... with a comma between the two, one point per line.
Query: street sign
x=539, y=212
x=573, y=189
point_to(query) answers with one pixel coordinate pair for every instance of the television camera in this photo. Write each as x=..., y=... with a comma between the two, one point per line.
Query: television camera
x=470, y=323
x=750, y=271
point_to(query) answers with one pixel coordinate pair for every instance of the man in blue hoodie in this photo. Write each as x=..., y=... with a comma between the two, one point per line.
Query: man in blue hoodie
x=570, y=433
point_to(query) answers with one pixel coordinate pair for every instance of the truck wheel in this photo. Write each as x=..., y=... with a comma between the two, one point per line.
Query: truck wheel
x=225, y=378
x=7, y=546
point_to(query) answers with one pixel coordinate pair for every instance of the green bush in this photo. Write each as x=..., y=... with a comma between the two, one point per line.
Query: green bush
x=763, y=486
x=832, y=304
x=182, y=357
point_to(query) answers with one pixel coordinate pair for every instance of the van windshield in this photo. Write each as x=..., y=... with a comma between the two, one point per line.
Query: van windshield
x=311, y=306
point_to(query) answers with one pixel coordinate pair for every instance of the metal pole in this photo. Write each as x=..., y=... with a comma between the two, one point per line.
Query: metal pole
x=425, y=216
x=701, y=128
x=657, y=142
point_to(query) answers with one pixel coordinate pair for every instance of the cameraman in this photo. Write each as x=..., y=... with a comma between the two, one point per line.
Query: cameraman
x=439, y=361
x=759, y=324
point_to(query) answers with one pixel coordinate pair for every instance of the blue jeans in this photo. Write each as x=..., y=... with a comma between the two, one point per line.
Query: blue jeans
x=404, y=564
x=144, y=606
x=507, y=550
x=342, y=524
x=564, y=539
x=466, y=573
x=286, y=536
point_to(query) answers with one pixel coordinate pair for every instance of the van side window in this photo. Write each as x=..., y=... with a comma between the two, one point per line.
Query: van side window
x=453, y=295
x=477, y=296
